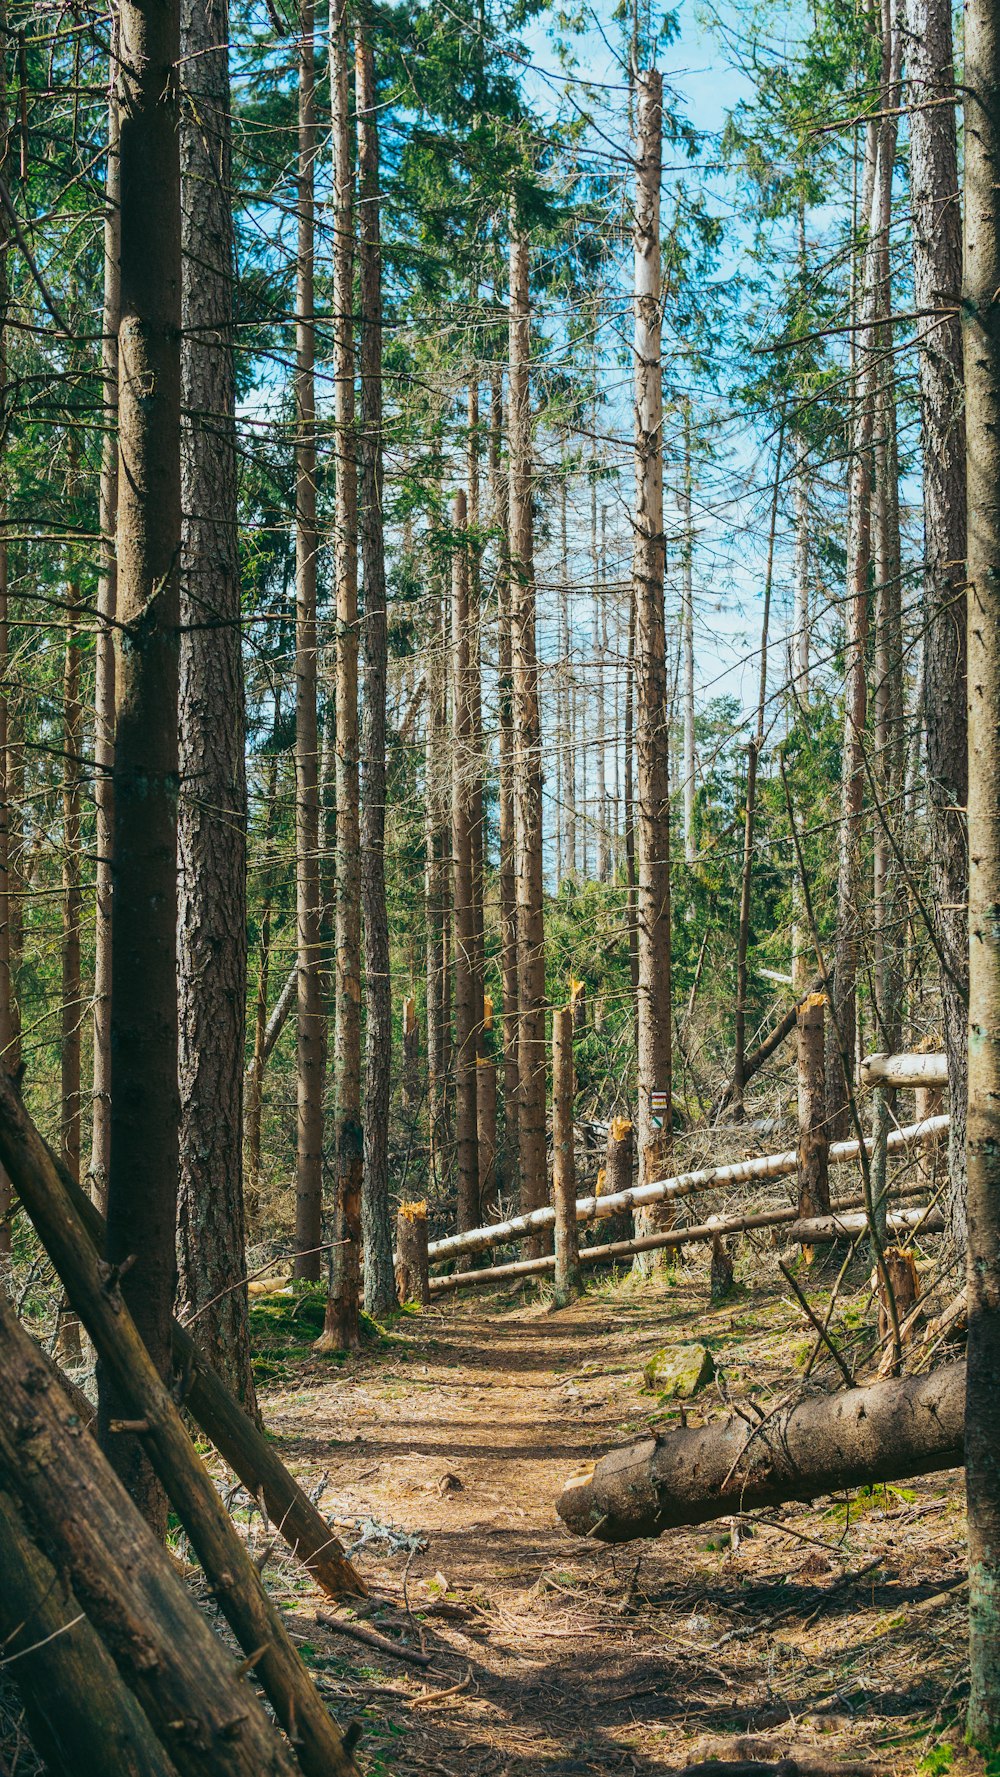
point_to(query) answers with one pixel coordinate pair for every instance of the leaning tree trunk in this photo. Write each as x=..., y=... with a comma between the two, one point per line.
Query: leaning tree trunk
x=343, y=1298
x=937, y=271
x=311, y=1046
x=212, y=956
x=652, y=812
x=380, y=1281
x=981, y=331
x=532, y=1059
x=144, y=1098
x=823, y=1444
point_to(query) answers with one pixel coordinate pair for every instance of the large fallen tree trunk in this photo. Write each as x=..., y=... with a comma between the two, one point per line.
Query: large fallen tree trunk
x=885, y=1432
x=685, y=1184
x=235, y=1580
x=242, y=1444
x=808, y=1231
x=81, y=1715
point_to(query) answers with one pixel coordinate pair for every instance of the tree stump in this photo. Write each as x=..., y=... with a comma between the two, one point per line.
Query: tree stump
x=902, y=1270
x=813, y=1145
x=412, y=1273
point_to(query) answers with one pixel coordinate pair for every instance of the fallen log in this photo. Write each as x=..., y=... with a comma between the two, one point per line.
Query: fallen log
x=240, y=1443
x=811, y=1230
x=685, y=1184
x=187, y=1683
x=885, y=1432
x=904, y=1070
x=81, y=1715
x=92, y=1289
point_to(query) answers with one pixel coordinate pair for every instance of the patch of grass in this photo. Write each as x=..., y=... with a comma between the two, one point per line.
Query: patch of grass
x=938, y=1760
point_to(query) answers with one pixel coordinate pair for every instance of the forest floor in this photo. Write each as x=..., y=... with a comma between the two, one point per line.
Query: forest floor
x=836, y=1632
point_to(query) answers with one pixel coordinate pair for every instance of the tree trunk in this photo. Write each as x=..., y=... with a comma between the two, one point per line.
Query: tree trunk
x=151, y=1413
x=814, y=1147
x=531, y=1053
x=80, y=1714
x=435, y=888
x=72, y=895
x=380, y=1283
x=7, y=1024
x=343, y=1299
x=145, y=1109
x=310, y=1042
x=105, y=655
x=652, y=733
x=754, y=751
x=937, y=275
x=467, y=1013
x=687, y=640
x=885, y=1432
x=184, y=1679
x=411, y=1254
x=567, y=1235
x=628, y=788
x=506, y=874
x=253, y=1112
x=981, y=333
x=212, y=815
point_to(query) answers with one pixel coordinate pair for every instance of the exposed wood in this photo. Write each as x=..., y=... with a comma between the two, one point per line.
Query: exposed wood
x=905, y=1283
x=685, y=1184
x=567, y=1239
x=411, y=1253
x=184, y=1679
x=147, y=1402
x=81, y=1715
x=812, y=1230
x=904, y=1070
x=885, y=1432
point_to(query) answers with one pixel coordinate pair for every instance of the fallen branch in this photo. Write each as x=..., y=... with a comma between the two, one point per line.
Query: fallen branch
x=685, y=1184
x=904, y=1070
x=885, y=1432
x=753, y=1062
x=372, y=1638
x=813, y=1231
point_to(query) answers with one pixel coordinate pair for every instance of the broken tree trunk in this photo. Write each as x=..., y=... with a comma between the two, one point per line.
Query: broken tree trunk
x=926, y=1070
x=814, y=1148
x=411, y=1253
x=885, y=1432
x=155, y=1418
x=81, y=1715
x=186, y=1682
x=755, y=1060
x=685, y=1184
x=567, y=1254
x=813, y=1230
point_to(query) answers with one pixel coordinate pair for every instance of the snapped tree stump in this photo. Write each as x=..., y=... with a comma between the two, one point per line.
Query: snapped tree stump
x=885, y=1432
x=411, y=1254
x=813, y=1154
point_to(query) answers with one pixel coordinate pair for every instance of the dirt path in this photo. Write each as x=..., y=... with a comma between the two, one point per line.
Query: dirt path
x=442, y=1455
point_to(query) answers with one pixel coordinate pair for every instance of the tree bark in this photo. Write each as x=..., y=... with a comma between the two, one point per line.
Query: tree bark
x=885, y=1432
x=212, y=814
x=150, y=1413
x=145, y=1109
x=652, y=823
x=814, y=1146
x=687, y=639
x=468, y=1014
x=343, y=1299
x=380, y=1283
x=80, y=1714
x=9, y=1047
x=436, y=889
x=981, y=335
x=937, y=276
x=105, y=655
x=628, y=793
x=72, y=894
x=527, y=759
x=411, y=1254
x=311, y=1046
x=185, y=1681
x=506, y=873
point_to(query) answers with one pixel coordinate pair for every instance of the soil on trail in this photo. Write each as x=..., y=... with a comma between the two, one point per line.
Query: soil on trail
x=836, y=1632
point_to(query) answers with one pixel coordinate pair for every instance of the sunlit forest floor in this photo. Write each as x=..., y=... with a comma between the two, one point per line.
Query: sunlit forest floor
x=836, y=1633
